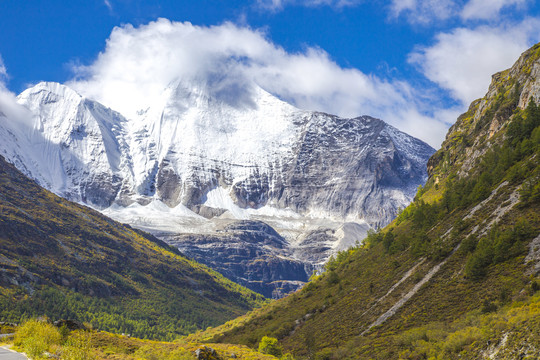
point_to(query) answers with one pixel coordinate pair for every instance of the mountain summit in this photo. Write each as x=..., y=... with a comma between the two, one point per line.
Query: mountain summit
x=259, y=149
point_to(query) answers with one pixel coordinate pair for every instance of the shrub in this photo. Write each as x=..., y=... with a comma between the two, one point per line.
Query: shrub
x=332, y=278
x=469, y=243
x=325, y=354
x=77, y=347
x=455, y=342
x=534, y=287
x=149, y=352
x=270, y=346
x=36, y=337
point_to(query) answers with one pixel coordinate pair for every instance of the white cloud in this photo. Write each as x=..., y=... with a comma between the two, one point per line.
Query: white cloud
x=429, y=11
x=138, y=63
x=487, y=9
x=3, y=72
x=108, y=4
x=431, y=128
x=463, y=60
x=17, y=115
x=279, y=4
x=399, y=6
x=424, y=11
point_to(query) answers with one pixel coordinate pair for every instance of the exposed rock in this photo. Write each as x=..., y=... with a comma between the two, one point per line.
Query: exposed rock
x=207, y=211
x=474, y=131
x=533, y=257
x=10, y=324
x=250, y=253
x=70, y=324
x=168, y=184
x=206, y=353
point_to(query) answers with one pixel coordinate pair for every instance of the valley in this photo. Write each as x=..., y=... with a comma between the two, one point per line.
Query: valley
x=175, y=198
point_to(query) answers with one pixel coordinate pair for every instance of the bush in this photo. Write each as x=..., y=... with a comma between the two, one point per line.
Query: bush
x=534, y=287
x=498, y=246
x=36, y=337
x=77, y=348
x=488, y=307
x=455, y=342
x=469, y=243
x=325, y=354
x=332, y=278
x=270, y=346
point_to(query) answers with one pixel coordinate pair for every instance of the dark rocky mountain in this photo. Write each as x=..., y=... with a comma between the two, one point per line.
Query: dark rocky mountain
x=249, y=252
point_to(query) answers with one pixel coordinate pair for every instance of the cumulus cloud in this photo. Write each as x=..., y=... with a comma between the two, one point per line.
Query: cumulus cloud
x=430, y=127
x=424, y=11
x=428, y=11
x=487, y=9
x=12, y=115
x=138, y=63
x=17, y=116
x=463, y=60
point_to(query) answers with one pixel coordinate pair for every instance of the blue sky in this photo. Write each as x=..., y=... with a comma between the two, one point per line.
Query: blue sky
x=414, y=63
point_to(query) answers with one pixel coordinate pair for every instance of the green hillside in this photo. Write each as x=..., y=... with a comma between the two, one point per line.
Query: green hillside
x=456, y=274
x=63, y=260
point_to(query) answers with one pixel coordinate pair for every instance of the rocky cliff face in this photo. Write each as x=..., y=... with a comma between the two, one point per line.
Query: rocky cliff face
x=474, y=131
x=251, y=253
x=195, y=161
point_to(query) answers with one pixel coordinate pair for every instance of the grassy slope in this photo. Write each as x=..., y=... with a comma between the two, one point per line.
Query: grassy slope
x=64, y=260
x=454, y=313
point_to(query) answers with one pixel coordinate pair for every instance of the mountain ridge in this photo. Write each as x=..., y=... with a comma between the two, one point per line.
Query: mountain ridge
x=39, y=98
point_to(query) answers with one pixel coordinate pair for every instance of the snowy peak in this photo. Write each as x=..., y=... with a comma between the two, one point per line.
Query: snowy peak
x=62, y=115
x=192, y=136
x=259, y=150
x=205, y=155
x=49, y=93
x=71, y=145
x=222, y=129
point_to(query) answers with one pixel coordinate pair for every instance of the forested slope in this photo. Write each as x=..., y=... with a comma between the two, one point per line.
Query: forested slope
x=456, y=274
x=64, y=260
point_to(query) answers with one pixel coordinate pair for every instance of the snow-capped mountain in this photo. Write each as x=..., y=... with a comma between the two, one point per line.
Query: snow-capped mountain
x=72, y=146
x=199, y=158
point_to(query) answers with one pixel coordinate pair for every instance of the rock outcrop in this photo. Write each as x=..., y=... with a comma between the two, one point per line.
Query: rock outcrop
x=250, y=253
